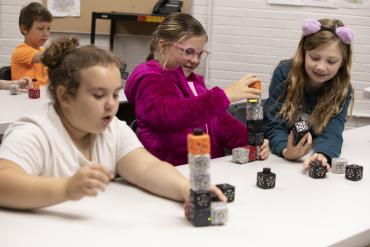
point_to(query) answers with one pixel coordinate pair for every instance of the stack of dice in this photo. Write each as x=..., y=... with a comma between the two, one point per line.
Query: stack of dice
x=200, y=210
x=254, y=115
x=34, y=92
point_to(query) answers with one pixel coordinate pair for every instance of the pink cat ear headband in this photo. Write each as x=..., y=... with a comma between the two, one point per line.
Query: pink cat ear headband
x=311, y=26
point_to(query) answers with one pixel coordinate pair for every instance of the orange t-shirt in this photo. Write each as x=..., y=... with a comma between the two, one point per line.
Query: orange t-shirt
x=22, y=64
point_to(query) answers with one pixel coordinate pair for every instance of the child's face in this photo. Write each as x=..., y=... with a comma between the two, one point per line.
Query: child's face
x=187, y=54
x=38, y=34
x=323, y=63
x=96, y=101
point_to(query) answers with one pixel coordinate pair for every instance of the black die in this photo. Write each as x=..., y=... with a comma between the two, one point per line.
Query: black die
x=354, y=172
x=228, y=190
x=266, y=179
x=255, y=139
x=255, y=126
x=200, y=217
x=316, y=170
x=200, y=199
x=299, y=130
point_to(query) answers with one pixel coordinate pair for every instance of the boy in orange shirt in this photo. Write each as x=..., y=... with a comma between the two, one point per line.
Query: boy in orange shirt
x=34, y=23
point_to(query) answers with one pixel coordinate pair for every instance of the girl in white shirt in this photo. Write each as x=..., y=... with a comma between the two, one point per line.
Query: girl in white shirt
x=76, y=145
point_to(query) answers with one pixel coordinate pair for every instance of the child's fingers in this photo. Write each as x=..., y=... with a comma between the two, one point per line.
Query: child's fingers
x=102, y=169
x=290, y=139
x=218, y=193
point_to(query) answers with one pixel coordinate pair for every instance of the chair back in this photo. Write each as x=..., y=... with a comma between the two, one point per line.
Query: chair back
x=5, y=73
x=126, y=112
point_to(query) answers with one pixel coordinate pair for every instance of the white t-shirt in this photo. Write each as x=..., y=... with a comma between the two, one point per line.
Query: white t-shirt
x=40, y=145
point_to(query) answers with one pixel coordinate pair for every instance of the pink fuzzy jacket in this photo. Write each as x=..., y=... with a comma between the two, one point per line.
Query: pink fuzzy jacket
x=167, y=110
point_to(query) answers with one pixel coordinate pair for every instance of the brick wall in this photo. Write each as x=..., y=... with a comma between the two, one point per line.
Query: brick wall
x=245, y=36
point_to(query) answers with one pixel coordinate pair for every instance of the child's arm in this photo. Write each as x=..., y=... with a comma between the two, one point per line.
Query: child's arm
x=144, y=170
x=37, y=57
x=276, y=129
x=330, y=141
x=24, y=82
x=21, y=191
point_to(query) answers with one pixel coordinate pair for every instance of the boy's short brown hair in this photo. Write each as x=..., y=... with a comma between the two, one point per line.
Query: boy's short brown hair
x=33, y=12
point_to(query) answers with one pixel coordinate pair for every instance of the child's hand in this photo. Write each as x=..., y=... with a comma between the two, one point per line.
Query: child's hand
x=265, y=149
x=317, y=156
x=293, y=152
x=24, y=83
x=216, y=191
x=241, y=90
x=86, y=182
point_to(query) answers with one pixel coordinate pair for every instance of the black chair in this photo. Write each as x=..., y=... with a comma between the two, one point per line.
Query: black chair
x=238, y=110
x=5, y=73
x=126, y=112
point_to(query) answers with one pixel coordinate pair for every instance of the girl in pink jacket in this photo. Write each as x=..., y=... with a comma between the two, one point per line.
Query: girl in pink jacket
x=171, y=100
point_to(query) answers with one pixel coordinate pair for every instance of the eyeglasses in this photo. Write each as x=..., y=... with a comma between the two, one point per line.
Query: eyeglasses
x=189, y=52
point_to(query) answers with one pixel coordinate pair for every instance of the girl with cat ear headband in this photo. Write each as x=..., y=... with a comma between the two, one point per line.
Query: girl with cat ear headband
x=311, y=26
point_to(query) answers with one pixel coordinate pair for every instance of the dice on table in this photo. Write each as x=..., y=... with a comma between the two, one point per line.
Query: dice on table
x=228, y=190
x=266, y=179
x=240, y=155
x=316, y=170
x=299, y=130
x=354, y=172
x=338, y=165
x=13, y=89
x=219, y=213
x=200, y=199
x=34, y=93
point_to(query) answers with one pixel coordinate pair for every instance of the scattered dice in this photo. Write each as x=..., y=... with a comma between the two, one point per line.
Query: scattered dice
x=34, y=93
x=13, y=89
x=266, y=179
x=299, y=130
x=354, y=172
x=316, y=170
x=338, y=165
x=228, y=190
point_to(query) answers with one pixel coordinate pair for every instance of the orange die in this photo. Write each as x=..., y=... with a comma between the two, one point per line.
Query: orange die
x=198, y=142
x=256, y=85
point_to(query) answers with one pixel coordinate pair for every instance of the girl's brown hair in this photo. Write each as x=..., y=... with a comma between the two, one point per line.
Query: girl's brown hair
x=65, y=59
x=174, y=28
x=334, y=92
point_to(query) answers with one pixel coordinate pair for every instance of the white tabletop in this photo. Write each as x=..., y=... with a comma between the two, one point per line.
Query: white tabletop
x=13, y=107
x=300, y=211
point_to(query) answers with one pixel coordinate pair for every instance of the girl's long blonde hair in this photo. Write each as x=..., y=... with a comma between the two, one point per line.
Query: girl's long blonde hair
x=334, y=92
